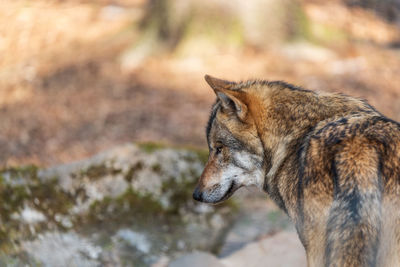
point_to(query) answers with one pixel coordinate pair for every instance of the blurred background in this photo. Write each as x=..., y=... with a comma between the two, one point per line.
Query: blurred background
x=77, y=77
x=80, y=77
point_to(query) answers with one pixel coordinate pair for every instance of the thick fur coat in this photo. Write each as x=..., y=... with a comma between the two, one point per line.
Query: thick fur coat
x=330, y=161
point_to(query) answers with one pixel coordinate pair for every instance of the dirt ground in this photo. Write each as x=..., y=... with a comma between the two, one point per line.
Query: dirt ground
x=66, y=102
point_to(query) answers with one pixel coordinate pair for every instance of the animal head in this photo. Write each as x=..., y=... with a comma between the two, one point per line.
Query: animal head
x=253, y=127
x=235, y=148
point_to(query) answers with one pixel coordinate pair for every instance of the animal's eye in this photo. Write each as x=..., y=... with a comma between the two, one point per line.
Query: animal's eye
x=218, y=149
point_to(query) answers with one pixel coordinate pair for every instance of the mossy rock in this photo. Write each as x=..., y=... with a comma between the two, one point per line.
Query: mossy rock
x=201, y=153
x=21, y=191
x=145, y=188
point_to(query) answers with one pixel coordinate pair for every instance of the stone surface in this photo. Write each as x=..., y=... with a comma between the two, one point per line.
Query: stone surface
x=256, y=218
x=281, y=250
x=197, y=259
x=131, y=205
x=63, y=249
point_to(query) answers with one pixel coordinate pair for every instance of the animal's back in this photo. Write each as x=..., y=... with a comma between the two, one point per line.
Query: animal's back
x=387, y=133
x=355, y=160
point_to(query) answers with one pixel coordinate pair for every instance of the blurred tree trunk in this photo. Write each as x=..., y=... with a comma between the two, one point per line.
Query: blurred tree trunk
x=159, y=21
x=258, y=21
x=197, y=27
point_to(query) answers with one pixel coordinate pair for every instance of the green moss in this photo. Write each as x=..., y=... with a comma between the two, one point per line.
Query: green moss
x=137, y=167
x=130, y=204
x=98, y=171
x=150, y=147
x=12, y=196
x=27, y=171
x=19, y=259
x=12, y=199
x=27, y=189
x=156, y=168
x=51, y=198
x=181, y=193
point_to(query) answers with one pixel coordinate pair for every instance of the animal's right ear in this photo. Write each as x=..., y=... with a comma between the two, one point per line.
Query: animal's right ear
x=230, y=99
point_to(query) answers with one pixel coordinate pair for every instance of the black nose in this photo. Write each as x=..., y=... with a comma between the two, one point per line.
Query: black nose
x=197, y=194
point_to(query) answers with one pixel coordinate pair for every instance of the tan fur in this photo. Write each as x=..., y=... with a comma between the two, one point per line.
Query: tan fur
x=332, y=162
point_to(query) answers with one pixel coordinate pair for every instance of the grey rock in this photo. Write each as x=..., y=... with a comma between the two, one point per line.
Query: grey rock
x=63, y=249
x=197, y=259
x=130, y=205
x=281, y=250
x=137, y=240
x=257, y=217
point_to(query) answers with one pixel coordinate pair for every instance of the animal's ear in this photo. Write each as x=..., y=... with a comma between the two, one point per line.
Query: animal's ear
x=230, y=99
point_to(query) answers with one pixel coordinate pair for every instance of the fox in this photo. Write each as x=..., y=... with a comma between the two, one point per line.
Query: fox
x=331, y=162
